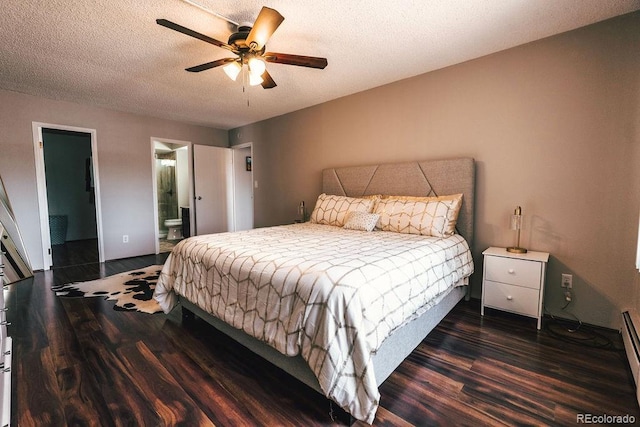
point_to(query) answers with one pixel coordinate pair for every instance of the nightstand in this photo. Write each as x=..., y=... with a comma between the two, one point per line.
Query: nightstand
x=514, y=282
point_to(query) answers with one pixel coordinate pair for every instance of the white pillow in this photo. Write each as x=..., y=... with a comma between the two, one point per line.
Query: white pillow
x=362, y=221
x=429, y=216
x=333, y=210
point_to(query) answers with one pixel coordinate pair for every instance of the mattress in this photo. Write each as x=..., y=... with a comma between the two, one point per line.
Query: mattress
x=329, y=294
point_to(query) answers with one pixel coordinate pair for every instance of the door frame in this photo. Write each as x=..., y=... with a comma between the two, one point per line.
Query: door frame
x=154, y=180
x=41, y=184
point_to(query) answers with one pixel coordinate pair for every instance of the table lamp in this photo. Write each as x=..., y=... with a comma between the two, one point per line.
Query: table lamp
x=516, y=224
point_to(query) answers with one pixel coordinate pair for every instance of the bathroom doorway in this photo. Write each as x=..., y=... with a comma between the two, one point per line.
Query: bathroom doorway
x=172, y=192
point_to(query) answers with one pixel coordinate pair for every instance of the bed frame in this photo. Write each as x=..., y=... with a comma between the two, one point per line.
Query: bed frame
x=425, y=178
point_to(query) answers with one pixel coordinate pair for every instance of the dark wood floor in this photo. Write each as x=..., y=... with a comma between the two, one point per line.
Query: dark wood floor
x=79, y=362
x=75, y=252
x=80, y=252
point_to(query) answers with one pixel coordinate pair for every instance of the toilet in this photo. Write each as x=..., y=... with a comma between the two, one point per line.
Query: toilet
x=174, y=229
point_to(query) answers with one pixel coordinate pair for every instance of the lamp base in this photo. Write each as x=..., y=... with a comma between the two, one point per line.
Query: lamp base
x=516, y=250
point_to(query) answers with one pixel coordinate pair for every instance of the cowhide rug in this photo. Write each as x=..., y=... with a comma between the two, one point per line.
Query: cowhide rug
x=132, y=290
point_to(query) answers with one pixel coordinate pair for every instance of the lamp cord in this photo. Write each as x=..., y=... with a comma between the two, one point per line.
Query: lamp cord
x=581, y=334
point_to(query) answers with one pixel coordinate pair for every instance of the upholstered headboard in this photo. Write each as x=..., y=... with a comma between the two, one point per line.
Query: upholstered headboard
x=423, y=178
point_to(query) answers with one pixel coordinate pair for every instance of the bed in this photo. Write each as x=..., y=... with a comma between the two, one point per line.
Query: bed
x=335, y=305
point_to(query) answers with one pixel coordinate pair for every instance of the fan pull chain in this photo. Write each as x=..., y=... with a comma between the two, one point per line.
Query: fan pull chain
x=245, y=81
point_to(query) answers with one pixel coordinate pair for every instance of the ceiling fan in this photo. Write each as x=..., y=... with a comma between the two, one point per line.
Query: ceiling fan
x=249, y=43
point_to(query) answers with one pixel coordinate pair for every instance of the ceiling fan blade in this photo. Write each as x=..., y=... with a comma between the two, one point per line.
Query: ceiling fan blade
x=184, y=30
x=267, y=81
x=210, y=65
x=302, y=61
x=267, y=22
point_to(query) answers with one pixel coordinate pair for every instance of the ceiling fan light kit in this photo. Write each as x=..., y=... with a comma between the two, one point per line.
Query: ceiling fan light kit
x=249, y=43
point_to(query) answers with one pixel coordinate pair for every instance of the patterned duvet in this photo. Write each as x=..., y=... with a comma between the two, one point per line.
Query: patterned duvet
x=329, y=294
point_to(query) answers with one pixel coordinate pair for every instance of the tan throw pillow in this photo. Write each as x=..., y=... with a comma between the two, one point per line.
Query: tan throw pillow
x=362, y=221
x=333, y=210
x=428, y=216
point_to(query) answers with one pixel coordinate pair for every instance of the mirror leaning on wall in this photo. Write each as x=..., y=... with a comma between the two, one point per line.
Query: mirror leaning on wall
x=14, y=255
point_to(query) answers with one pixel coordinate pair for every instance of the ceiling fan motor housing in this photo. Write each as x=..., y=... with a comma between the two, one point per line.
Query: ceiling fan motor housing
x=238, y=39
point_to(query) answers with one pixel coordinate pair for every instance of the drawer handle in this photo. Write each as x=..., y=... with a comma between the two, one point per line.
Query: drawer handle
x=512, y=271
x=509, y=298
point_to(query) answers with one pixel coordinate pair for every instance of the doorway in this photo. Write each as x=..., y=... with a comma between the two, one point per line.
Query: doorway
x=67, y=180
x=243, y=167
x=172, y=192
x=216, y=181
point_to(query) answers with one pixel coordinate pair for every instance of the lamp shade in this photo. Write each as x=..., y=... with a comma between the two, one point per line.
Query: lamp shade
x=232, y=70
x=255, y=79
x=256, y=66
x=516, y=222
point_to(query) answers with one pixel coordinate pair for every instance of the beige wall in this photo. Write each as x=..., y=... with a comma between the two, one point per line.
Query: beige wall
x=124, y=155
x=553, y=125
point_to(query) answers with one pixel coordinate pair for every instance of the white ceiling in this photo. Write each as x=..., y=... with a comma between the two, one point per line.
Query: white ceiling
x=111, y=53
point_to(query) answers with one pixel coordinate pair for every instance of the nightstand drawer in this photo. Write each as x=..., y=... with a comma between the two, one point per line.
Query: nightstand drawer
x=511, y=298
x=513, y=271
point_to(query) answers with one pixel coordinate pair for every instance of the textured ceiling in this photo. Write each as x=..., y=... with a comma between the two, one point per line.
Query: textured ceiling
x=111, y=53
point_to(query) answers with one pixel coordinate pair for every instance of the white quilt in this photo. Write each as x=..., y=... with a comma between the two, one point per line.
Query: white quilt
x=329, y=294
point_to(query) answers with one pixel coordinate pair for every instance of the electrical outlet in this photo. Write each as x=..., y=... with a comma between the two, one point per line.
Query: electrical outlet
x=567, y=281
x=125, y=238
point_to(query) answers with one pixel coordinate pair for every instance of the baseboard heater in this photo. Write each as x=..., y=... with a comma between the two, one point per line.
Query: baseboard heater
x=630, y=325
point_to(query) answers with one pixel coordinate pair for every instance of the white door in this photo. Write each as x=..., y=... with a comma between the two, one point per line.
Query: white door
x=213, y=185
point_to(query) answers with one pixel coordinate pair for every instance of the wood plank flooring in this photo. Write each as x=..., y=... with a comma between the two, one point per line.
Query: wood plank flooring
x=75, y=252
x=79, y=362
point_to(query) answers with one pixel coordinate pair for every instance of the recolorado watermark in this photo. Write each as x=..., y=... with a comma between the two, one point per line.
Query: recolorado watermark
x=605, y=419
